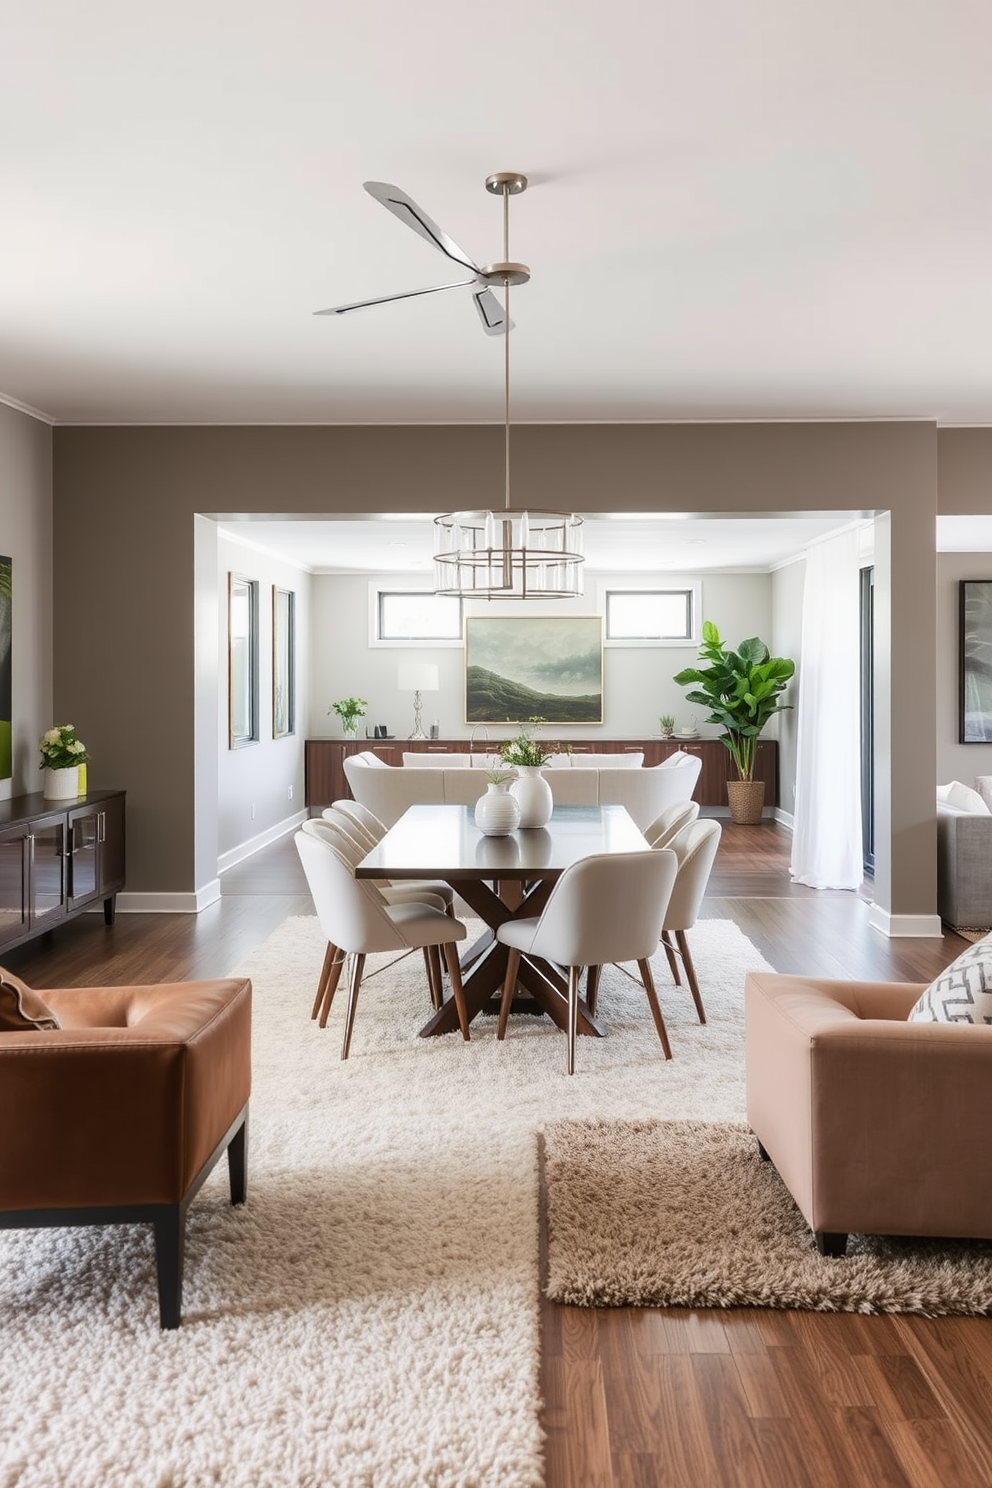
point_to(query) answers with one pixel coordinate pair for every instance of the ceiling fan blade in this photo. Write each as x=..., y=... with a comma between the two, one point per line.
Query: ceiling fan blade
x=409, y=294
x=406, y=209
x=491, y=312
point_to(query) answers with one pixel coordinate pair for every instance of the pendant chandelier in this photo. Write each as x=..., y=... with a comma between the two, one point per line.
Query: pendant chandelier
x=509, y=553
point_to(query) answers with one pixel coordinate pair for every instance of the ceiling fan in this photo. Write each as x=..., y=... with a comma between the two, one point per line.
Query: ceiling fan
x=492, y=314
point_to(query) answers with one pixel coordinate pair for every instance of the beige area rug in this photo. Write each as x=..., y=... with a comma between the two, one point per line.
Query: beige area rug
x=969, y=932
x=685, y=1214
x=370, y=1318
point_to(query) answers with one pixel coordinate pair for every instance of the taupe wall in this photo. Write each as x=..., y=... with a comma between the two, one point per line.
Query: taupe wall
x=125, y=500
x=26, y=537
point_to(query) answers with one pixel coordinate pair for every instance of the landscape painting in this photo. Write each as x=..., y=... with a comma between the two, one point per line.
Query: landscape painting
x=6, y=673
x=976, y=661
x=545, y=666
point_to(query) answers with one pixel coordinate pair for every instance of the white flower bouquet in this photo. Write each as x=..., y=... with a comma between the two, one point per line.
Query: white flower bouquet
x=60, y=748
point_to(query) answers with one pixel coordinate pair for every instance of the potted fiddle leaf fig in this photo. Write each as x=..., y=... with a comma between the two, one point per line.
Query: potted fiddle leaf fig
x=741, y=689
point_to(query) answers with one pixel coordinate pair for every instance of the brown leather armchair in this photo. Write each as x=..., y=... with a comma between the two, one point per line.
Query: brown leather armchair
x=118, y=1116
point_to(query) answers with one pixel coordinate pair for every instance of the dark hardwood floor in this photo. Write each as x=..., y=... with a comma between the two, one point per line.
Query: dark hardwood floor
x=647, y=1398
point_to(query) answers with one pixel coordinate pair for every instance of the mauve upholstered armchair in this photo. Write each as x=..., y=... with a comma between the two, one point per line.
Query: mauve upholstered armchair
x=876, y=1125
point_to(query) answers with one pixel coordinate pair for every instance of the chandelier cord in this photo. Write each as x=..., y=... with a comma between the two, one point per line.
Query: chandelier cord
x=506, y=342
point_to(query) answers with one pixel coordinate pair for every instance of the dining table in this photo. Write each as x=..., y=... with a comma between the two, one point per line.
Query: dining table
x=501, y=878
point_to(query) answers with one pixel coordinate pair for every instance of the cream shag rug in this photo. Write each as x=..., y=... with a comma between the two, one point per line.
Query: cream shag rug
x=370, y=1318
x=686, y=1214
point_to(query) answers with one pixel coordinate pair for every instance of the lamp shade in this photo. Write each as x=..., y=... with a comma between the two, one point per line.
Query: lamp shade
x=417, y=676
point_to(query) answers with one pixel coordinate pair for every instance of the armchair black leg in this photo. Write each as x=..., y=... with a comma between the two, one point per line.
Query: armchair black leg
x=170, y=1237
x=237, y=1163
x=763, y=1152
x=831, y=1242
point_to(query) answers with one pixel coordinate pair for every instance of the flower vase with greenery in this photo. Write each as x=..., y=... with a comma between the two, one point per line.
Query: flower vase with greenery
x=741, y=689
x=527, y=755
x=62, y=750
x=349, y=710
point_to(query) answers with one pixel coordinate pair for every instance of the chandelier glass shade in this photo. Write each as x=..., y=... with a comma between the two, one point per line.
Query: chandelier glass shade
x=508, y=554
x=513, y=553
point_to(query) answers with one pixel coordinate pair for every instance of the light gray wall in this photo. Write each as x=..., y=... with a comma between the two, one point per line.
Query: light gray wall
x=125, y=500
x=26, y=538
x=637, y=680
x=254, y=782
x=787, y=640
x=955, y=761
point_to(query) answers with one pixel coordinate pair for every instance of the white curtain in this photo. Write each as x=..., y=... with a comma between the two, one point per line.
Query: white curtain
x=826, y=843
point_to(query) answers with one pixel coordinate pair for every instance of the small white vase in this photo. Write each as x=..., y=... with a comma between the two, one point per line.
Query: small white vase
x=497, y=813
x=533, y=795
x=350, y=730
x=61, y=785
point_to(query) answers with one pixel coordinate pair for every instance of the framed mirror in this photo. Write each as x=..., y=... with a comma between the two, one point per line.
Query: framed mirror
x=283, y=662
x=242, y=636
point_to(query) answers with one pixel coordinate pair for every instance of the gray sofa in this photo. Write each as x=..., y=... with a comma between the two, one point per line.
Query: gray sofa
x=964, y=858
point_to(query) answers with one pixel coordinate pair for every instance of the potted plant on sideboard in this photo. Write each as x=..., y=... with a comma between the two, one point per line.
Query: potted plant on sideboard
x=349, y=710
x=741, y=688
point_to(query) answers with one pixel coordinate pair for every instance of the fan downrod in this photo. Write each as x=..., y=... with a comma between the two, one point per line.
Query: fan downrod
x=505, y=183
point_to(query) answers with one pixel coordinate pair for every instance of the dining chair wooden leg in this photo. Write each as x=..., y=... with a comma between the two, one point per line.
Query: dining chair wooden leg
x=509, y=983
x=333, y=977
x=644, y=967
x=349, y=1017
x=433, y=976
x=325, y=972
x=457, y=990
x=672, y=954
x=573, y=1014
x=592, y=988
x=690, y=972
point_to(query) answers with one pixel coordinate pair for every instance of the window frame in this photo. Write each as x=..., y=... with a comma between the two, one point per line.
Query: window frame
x=377, y=589
x=691, y=587
x=283, y=659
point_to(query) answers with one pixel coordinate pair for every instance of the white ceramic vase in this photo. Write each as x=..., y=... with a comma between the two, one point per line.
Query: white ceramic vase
x=497, y=813
x=533, y=795
x=61, y=785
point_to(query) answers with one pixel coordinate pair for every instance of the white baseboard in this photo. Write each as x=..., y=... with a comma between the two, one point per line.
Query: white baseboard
x=898, y=926
x=255, y=844
x=784, y=818
x=162, y=903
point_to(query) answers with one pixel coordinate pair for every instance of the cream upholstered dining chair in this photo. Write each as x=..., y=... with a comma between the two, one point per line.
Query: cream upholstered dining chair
x=696, y=849
x=413, y=892
x=669, y=823
x=608, y=907
x=357, y=920
x=366, y=838
x=363, y=816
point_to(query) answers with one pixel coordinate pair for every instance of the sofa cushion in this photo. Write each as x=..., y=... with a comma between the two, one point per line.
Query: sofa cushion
x=21, y=1009
x=962, y=993
x=962, y=797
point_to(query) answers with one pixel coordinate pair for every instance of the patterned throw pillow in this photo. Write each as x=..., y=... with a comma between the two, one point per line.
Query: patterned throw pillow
x=21, y=1009
x=963, y=992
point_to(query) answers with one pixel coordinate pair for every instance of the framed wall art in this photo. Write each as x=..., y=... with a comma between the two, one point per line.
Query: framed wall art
x=975, y=691
x=544, y=666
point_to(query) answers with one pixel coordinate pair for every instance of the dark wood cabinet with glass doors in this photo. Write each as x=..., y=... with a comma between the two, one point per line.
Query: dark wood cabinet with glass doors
x=58, y=859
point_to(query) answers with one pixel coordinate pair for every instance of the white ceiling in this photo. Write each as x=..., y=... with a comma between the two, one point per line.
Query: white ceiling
x=738, y=209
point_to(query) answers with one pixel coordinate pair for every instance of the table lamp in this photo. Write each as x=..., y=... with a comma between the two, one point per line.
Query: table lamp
x=418, y=677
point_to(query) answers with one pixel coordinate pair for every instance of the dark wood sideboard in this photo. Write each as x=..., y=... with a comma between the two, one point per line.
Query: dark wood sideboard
x=325, y=779
x=57, y=859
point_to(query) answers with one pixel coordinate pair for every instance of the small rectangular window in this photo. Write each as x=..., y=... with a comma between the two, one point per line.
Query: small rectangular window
x=242, y=629
x=412, y=615
x=649, y=614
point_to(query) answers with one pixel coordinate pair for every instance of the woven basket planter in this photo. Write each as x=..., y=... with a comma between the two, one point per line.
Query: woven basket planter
x=746, y=798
